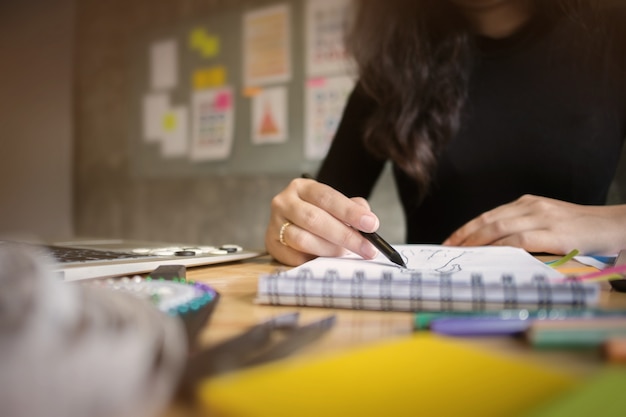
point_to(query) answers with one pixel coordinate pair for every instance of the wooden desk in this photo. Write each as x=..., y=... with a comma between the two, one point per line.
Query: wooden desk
x=236, y=311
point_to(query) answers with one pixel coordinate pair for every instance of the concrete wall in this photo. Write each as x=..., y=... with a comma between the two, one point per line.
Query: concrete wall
x=113, y=203
x=36, y=122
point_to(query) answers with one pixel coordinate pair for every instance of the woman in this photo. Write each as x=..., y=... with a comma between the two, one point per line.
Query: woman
x=504, y=121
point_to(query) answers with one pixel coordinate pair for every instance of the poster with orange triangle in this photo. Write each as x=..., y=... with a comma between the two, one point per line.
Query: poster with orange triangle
x=269, y=116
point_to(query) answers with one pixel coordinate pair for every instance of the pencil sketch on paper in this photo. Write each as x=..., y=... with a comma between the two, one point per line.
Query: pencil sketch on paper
x=440, y=260
x=434, y=261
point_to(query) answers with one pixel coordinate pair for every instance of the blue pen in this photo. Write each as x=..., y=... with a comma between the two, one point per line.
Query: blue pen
x=509, y=322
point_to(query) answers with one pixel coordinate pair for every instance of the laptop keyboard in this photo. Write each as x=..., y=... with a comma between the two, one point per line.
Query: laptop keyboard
x=69, y=254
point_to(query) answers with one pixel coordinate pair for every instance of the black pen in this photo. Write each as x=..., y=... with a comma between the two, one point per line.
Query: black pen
x=384, y=247
x=378, y=242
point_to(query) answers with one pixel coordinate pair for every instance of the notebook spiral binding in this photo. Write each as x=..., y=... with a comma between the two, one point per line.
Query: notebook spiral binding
x=419, y=292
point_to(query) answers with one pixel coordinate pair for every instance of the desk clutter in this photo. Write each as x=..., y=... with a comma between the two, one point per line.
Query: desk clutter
x=453, y=293
x=139, y=335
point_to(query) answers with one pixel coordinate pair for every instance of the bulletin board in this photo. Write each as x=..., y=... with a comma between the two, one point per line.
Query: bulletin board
x=247, y=90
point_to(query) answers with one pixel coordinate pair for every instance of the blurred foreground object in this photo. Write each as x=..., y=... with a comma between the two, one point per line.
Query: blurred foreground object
x=75, y=351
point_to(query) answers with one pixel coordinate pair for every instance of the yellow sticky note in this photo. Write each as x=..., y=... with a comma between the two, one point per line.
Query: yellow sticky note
x=209, y=77
x=207, y=45
x=210, y=47
x=196, y=37
x=169, y=122
x=420, y=375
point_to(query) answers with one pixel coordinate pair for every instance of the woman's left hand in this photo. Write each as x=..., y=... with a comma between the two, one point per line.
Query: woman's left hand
x=539, y=224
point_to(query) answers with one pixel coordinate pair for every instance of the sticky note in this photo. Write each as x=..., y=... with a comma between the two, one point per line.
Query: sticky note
x=418, y=375
x=209, y=77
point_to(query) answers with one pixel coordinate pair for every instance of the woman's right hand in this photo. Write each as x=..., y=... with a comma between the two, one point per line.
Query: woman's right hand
x=317, y=220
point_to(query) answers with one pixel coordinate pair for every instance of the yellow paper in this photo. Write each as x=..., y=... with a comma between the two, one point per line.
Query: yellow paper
x=207, y=45
x=209, y=78
x=421, y=375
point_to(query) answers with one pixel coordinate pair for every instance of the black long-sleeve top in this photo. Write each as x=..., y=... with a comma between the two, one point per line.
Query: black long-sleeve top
x=543, y=116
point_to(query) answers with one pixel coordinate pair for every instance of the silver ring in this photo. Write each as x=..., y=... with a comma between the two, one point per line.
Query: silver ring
x=281, y=234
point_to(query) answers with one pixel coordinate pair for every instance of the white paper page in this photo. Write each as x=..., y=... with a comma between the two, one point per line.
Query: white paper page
x=491, y=262
x=269, y=116
x=213, y=113
x=326, y=21
x=325, y=100
x=164, y=65
x=155, y=106
x=175, y=139
x=266, y=45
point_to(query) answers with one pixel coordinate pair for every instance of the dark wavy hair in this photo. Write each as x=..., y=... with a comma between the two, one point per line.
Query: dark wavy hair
x=414, y=59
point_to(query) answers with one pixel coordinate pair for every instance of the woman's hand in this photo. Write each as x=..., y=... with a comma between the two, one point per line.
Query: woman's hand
x=539, y=224
x=316, y=220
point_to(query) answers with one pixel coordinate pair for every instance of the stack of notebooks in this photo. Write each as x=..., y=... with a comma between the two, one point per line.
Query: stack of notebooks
x=436, y=278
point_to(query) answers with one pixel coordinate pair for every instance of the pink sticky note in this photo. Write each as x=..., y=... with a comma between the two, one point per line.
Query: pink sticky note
x=316, y=82
x=222, y=101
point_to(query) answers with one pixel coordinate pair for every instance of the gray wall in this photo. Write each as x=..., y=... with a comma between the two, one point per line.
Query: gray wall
x=112, y=202
x=36, y=67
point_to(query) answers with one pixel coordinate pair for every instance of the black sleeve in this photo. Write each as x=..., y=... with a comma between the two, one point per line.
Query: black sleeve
x=348, y=166
x=617, y=30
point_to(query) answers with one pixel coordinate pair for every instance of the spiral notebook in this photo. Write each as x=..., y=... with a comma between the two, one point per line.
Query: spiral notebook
x=436, y=278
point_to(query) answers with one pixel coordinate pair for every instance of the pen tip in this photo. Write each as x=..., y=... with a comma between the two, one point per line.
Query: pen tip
x=400, y=262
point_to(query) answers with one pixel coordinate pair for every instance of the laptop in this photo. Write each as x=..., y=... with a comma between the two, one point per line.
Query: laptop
x=106, y=258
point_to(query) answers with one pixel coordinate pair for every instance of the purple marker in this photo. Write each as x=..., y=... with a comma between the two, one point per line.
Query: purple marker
x=509, y=322
x=479, y=326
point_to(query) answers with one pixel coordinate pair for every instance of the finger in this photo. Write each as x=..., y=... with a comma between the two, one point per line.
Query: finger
x=468, y=232
x=279, y=251
x=362, y=202
x=352, y=212
x=542, y=240
x=505, y=227
x=301, y=240
x=321, y=233
x=326, y=235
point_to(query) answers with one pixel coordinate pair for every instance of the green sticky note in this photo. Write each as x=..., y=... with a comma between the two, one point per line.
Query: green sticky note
x=602, y=395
